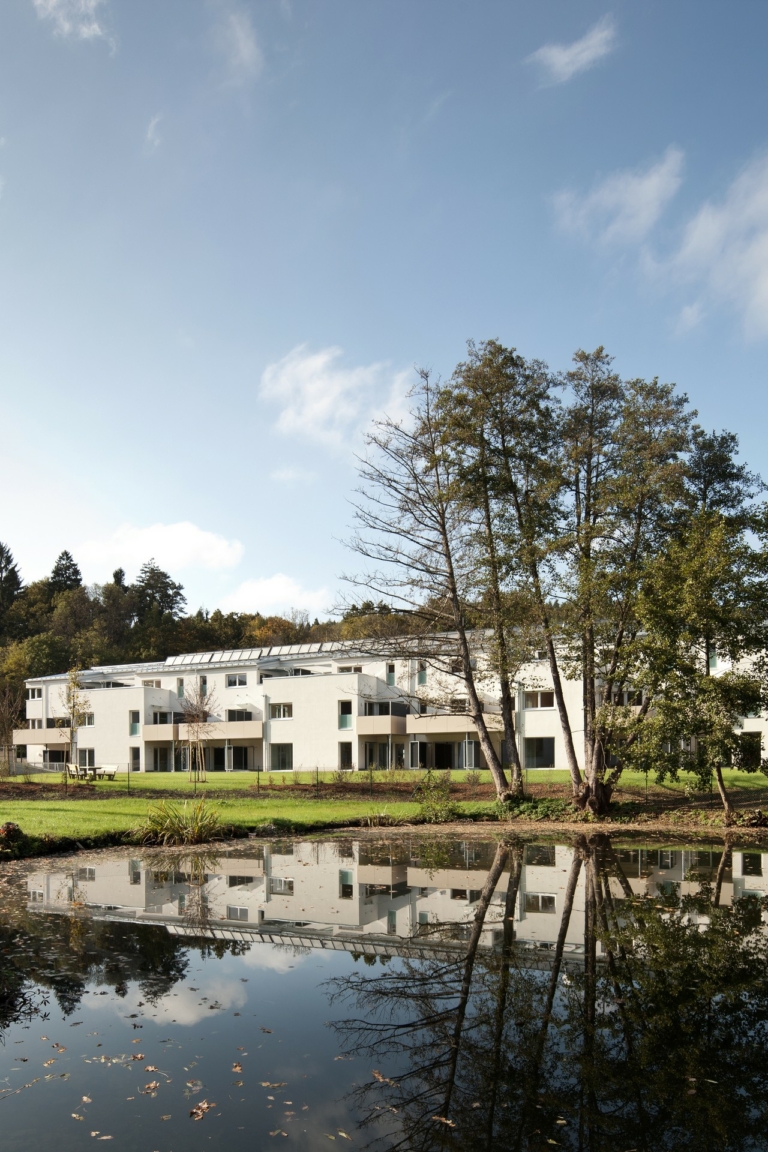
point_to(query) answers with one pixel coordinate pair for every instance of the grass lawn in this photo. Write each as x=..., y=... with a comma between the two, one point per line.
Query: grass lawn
x=108, y=806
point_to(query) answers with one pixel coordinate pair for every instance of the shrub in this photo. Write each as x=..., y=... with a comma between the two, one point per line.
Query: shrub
x=174, y=824
x=432, y=794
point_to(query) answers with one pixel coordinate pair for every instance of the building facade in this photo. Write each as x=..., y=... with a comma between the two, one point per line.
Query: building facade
x=305, y=706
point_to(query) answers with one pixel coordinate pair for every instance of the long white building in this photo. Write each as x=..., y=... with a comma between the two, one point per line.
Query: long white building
x=303, y=706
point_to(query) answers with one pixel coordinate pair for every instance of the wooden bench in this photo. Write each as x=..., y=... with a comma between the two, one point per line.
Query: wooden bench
x=106, y=772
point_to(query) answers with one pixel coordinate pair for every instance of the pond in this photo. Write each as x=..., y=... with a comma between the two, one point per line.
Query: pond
x=411, y=991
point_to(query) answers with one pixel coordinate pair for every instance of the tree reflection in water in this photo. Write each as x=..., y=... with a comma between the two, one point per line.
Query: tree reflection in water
x=655, y=1037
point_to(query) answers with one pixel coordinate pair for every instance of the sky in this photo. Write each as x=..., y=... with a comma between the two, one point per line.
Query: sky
x=230, y=231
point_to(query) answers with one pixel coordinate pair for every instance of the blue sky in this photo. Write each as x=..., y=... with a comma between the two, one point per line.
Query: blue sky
x=229, y=230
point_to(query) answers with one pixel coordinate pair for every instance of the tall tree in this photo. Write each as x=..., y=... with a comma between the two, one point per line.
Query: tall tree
x=154, y=588
x=65, y=575
x=10, y=581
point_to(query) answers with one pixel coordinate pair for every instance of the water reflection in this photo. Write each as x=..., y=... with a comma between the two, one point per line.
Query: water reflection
x=596, y=994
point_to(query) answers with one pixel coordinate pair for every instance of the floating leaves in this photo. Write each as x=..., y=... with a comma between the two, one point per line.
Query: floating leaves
x=282, y=1084
x=201, y=1108
x=77, y=1116
x=237, y=1067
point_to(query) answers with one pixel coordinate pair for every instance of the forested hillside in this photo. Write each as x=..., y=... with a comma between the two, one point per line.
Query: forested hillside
x=58, y=623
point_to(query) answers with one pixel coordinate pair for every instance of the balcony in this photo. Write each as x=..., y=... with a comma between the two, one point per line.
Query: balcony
x=450, y=724
x=381, y=726
x=159, y=733
x=50, y=737
x=226, y=730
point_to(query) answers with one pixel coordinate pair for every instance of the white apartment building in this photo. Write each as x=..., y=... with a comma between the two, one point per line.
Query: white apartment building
x=303, y=706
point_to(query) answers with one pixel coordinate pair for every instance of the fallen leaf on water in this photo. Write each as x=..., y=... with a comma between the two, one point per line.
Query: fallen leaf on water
x=442, y=1120
x=240, y=1049
x=278, y=1132
x=342, y=1133
x=137, y=1056
x=329, y=1136
x=95, y=1133
x=135, y=1041
x=77, y=1116
x=238, y=1083
x=194, y=1085
x=200, y=1109
x=267, y=1030
x=47, y=1063
x=266, y=1084
x=152, y=1086
x=166, y=1117
x=237, y=1067
x=150, y=1067
x=106, y=1137
x=87, y=1100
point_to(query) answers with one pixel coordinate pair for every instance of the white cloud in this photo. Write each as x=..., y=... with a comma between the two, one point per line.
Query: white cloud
x=273, y=957
x=181, y=1005
x=724, y=250
x=561, y=62
x=78, y=19
x=239, y=46
x=277, y=593
x=624, y=207
x=173, y=546
x=152, y=137
x=291, y=475
x=320, y=399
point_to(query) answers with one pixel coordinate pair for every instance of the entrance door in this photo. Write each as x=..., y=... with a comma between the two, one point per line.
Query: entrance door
x=162, y=759
x=218, y=759
x=444, y=756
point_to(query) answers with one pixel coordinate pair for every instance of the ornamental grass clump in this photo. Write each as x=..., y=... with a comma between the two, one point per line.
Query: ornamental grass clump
x=174, y=824
x=432, y=795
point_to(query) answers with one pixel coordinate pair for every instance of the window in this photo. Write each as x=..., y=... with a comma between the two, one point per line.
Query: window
x=135, y=759
x=537, y=902
x=345, y=713
x=539, y=751
x=391, y=675
x=418, y=755
x=239, y=759
x=203, y=685
x=236, y=913
x=391, y=922
x=180, y=689
x=345, y=754
x=87, y=720
x=280, y=886
x=281, y=757
x=237, y=680
x=346, y=884
x=457, y=667
x=713, y=661
x=238, y=881
x=421, y=674
x=539, y=700
x=86, y=757
x=162, y=717
x=34, y=693
x=134, y=871
x=21, y=751
x=377, y=708
x=458, y=893
x=540, y=855
x=280, y=711
x=34, y=724
x=235, y=715
x=751, y=864
x=86, y=874
x=150, y=683
x=459, y=705
x=134, y=723
x=37, y=896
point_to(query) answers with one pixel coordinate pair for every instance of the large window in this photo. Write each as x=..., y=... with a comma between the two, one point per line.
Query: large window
x=280, y=886
x=87, y=720
x=391, y=675
x=135, y=759
x=280, y=711
x=539, y=751
x=86, y=757
x=538, y=902
x=345, y=754
x=235, y=715
x=237, y=680
x=240, y=759
x=346, y=884
x=345, y=713
x=281, y=757
x=539, y=699
x=134, y=723
x=234, y=913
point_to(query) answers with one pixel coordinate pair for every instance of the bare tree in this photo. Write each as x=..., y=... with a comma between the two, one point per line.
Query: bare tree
x=76, y=704
x=197, y=706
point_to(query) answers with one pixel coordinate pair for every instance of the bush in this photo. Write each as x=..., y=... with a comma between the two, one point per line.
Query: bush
x=173, y=824
x=546, y=808
x=432, y=795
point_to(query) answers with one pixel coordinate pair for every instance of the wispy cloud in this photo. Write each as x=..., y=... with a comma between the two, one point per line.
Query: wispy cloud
x=278, y=593
x=152, y=139
x=561, y=62
x=724, y=252
x=174, y=546
x=238, y=46
x=291, y=475
x=624, y=207
x=321, y=399
x=75, y=19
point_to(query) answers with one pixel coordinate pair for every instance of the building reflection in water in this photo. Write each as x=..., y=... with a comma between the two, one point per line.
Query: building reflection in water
x=592, y=995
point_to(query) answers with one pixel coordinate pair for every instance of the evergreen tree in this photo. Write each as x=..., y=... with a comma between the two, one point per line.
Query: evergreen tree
x=10, y=580
x=154, y=588
x=65, y=575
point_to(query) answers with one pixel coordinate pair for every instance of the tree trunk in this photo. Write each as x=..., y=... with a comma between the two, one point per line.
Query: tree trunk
x=730, y=811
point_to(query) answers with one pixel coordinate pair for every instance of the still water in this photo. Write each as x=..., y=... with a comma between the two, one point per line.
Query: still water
x=415, y=992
